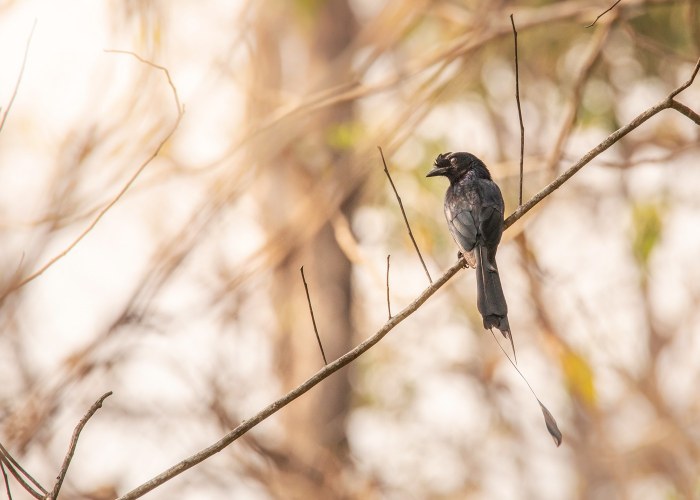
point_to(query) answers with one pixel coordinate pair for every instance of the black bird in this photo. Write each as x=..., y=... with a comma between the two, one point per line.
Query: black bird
x=474, y=211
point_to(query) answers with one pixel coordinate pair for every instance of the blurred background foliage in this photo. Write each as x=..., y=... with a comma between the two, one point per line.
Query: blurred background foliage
x=186, y=298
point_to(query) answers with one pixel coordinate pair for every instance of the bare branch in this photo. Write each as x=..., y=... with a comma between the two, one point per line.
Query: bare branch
x=603, y=13
x=125, y=188
x=685, y=110
x=403, y=212
x=73, y=443
x=520, y=112
x=687, y=83
x=355, y=353
x=19, y=77
x=388, y=301
x=5, y=480
x=28, y=487
x=180, y=108
x=13, y=466
x=313, y=319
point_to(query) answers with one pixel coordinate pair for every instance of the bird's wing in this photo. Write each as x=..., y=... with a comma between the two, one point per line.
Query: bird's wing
x=462, y=223
x=490, y=221
x=490, y=195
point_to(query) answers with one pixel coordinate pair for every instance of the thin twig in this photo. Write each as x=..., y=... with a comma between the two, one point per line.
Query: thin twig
x=355, y=353
x=28, y=487
x=685, y=110
x=180, y=108
x=19, y=77
x=73, y=443
x=603, y=13
x=12, y=464
x=687, y=83
x=403, y=212
x=313, y=319
x=520, y=112
x=5, y=480
x=124, y=189
x=388, y=301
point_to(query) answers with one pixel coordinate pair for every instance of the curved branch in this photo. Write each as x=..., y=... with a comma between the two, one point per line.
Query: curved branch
x=127, y=185
x=73, y=443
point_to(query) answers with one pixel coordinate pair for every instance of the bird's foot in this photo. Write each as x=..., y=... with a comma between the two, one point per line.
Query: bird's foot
x=469, y=259
x=460, y=257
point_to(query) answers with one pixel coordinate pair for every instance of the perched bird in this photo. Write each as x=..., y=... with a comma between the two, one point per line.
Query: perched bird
x=474, y=211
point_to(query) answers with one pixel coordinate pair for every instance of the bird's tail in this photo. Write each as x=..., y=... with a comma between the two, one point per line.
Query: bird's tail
x=489, y=295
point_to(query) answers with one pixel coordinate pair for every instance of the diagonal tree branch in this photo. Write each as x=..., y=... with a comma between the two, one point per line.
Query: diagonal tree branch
x=16, y=468
x=27, y=487
x=355, y=353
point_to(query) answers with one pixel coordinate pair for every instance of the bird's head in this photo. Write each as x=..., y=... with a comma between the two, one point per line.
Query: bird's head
x=455, y=165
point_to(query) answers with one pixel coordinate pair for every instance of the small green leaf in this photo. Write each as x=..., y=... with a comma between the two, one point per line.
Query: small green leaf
x=647, y=226
x=344, y=136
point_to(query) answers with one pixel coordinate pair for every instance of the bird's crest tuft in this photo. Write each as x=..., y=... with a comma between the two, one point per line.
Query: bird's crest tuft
x=443, y=160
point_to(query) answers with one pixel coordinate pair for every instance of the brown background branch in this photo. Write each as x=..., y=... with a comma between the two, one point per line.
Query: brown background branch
x=19, y=78
x=125, y=187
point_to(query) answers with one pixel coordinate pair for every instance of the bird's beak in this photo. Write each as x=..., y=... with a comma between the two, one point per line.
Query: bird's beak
x=437, y=171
